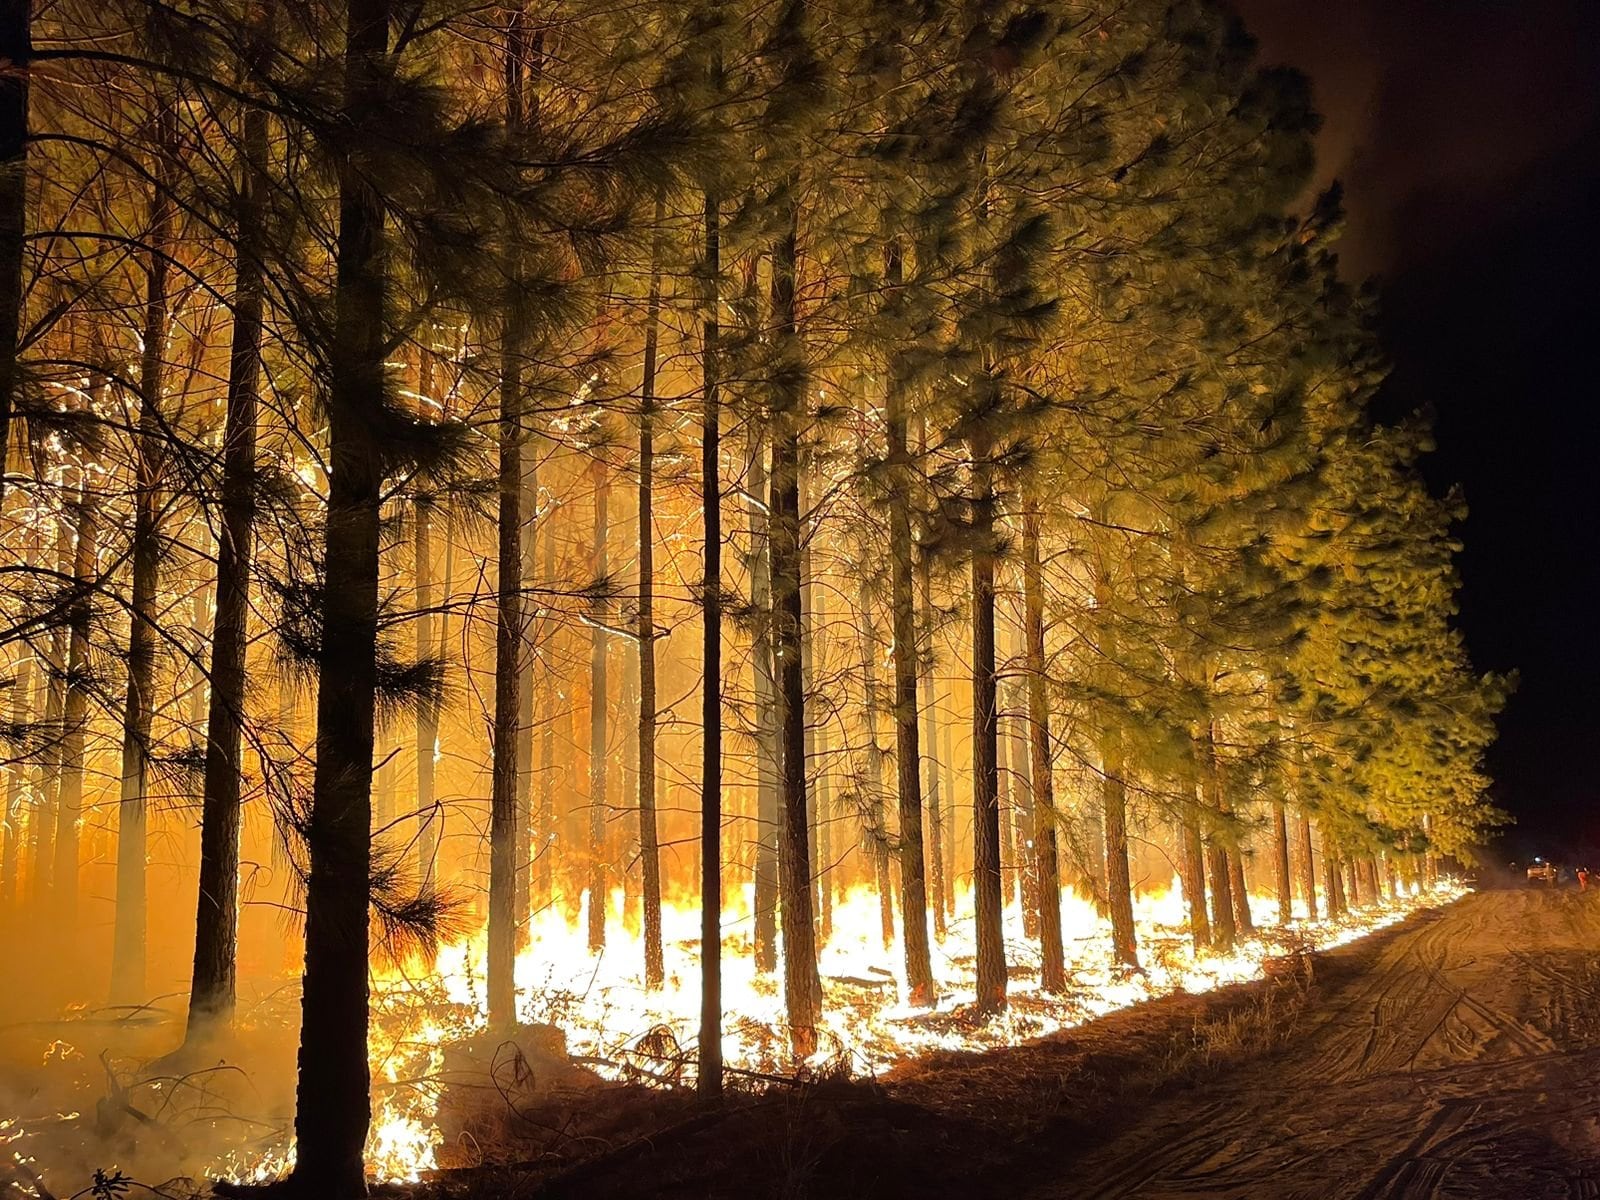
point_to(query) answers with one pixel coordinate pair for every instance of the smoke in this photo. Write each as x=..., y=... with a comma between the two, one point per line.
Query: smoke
x=89, y=1086
x=1442, y=105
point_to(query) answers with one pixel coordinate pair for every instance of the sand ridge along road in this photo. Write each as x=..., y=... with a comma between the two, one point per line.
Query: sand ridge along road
x=1462, y=1062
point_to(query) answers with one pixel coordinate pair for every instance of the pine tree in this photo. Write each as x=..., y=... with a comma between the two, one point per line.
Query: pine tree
x=128, y=943
x=332, y=1100
x=649, y=844
x=213, y=982
x=504, y=805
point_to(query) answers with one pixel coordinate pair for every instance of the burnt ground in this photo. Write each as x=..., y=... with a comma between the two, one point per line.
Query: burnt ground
x=1456, y=1056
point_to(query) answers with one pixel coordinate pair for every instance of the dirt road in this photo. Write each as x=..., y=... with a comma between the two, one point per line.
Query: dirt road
x=1461, y=1061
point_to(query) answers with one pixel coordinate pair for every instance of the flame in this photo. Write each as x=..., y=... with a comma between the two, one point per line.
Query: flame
x=617, y=1028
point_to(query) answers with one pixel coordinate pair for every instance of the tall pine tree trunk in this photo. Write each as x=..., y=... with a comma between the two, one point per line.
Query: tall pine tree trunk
x=710, y=1051
x=527, y=815
x=1241, y=893
x=1224, y=933
x=546, y=820
x=875, y=826
x=526, y=113
x=1430, y=859
x=212, y=988
x=954, y=848
x=1119, y=883
x=908, y=760
x=333, y=1099
x=1333, y=879
x=128, y=950
x=649, y=838
x=802, y=987
x=599, y=700
x=1232, y=857
x=938, y=851
x=74, y=716
x=505, y=860
x=1022, y=807
x=766, y=719
x=814, y=600
x=988, y=900
x=1053, y=971
x=47, y=779
x=1282, y=870
x=1225, y=929
x=1306, y=867
x=11, y=818
x=1003, y=788
x=816, y=774
x=1280, y=862
x=425, y=602
x=1192, y=868
x=1114, y=800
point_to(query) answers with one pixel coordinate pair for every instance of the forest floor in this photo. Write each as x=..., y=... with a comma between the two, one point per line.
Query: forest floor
x=1454, y=1055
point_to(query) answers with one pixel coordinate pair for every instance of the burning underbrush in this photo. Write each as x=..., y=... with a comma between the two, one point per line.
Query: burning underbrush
x=101, y=1089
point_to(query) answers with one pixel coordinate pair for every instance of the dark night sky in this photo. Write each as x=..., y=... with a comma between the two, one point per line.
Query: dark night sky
x=1467, y=134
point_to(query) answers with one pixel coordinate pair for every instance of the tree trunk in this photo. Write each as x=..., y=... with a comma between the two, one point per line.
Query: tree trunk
x=1053, y=971
x=1114, y=801
x=710, y=1050
x=937, y=853
x=988, y=897
x=1430, y=859
x=649, y=842
x=1280, y=862
x=10, y=855
x=816, y=774
x=527, y=664
x=128, y=949
x=545, y=851
x=766, y=721
x=47, y=779
x=425, y=602
x=599, y=701
x=1225, y=930
x=212, y=990
x=75, y=716
x=1022, y=810
x=876, y=824
x=1003, y=789
x=952, y=850
x=1192, y=869
x=1242, y=919
x=505, y=860
x=1119, y=883
x=1331, y=886
x=527, y=115
x=1233, y=857
x=816, y=620
x=802, y=987
x=908, y=760
x=1306, y=868
x=16, y=51
x=333, y=1101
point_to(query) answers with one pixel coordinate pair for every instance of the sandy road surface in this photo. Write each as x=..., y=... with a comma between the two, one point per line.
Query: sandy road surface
x=1463, y=1061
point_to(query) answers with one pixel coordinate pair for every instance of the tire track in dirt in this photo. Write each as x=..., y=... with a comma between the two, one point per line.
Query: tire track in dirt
x=1457, y=1065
